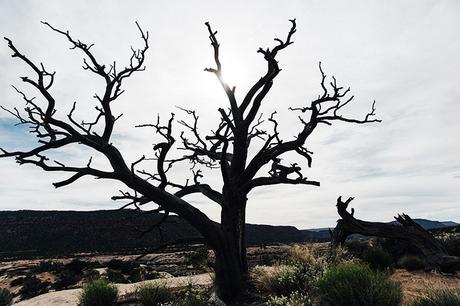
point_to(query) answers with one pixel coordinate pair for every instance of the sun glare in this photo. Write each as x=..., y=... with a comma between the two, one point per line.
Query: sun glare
x=234, y=74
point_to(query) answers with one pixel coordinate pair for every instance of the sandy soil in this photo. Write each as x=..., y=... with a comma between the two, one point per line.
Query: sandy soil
x=70, y=297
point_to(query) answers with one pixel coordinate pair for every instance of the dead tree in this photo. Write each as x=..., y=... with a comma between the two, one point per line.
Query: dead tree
x=227, y=147
x=407, y=230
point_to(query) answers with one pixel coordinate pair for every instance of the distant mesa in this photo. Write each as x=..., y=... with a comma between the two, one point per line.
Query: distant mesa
x=27, y=233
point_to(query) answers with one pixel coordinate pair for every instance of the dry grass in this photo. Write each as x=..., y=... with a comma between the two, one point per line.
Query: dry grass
x=415, y=283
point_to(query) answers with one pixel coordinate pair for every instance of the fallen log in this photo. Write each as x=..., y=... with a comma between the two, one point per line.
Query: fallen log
x=406, y=230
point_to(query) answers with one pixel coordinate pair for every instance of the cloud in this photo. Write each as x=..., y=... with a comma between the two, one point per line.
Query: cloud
x=404, y=56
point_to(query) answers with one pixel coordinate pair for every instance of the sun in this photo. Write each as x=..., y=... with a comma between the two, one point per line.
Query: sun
x=231, y=74
x=237, y=73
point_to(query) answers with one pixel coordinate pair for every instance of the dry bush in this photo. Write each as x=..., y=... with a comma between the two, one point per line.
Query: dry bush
x=292, y=281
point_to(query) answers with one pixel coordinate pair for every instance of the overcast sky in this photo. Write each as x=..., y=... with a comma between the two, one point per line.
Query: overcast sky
x=403, y=54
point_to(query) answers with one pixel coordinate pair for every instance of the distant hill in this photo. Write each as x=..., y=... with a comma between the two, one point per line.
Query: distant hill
x=316, y=235
x=322, y=234
x=49, y=233
x=450, y=223
x=429, y=224
x=35, y=233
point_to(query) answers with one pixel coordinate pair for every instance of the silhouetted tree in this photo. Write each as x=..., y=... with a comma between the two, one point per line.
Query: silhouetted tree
x=226, y=148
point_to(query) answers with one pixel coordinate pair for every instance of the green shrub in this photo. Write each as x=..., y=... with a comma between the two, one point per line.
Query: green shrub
x=377, y=258
x=442, y=297
x=32, y=286
x=5, y=297
x=355, y=284
x=152, y=294
x=412, y=263
x=98, y=293
x=294, y=299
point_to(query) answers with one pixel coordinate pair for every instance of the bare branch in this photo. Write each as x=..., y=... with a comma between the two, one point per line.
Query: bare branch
x=230, y=92
x=264, y=84
x=266, y=181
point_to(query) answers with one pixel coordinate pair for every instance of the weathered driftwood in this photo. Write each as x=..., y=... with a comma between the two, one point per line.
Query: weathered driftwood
x=407, y=230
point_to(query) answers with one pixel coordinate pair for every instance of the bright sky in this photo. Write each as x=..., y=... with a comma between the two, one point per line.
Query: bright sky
x=403, y=54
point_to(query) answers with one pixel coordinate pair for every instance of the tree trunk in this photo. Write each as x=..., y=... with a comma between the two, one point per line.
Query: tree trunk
x=228, y=275
x=231, y=265
x=407, y=230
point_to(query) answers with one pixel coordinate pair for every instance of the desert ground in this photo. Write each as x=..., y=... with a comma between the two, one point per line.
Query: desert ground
x=174, y=269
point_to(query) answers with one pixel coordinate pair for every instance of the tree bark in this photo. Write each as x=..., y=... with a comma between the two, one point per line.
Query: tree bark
x=231, y=265
x=228, y=275
x=407, y=230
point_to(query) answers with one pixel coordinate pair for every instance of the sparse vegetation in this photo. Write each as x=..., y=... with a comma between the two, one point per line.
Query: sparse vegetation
x=440, y=297
x=98, y=293
x=32, y=286
x=5, y=297
x=305, y=280
x=188, y=296
x=352, y=283
x=46, y=266
x=116, y=276
x=412, y=263
x=199, y=258
x=293, y=280
x=76, y=266
x=152, y=294
x=91, y=275
x=280, y=280
x=377, y=257
x=66, y=279
x=293, y=299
